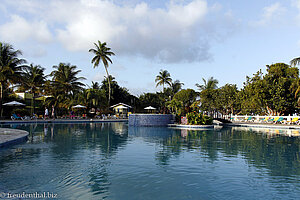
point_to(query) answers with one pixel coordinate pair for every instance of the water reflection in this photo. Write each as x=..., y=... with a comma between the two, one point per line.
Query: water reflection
x=64, y=146
x=85, y=160
x=271, y=149
x=274, y=149
x=271, y=132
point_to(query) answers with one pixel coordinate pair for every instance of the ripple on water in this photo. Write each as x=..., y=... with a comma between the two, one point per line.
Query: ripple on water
x=78, y=164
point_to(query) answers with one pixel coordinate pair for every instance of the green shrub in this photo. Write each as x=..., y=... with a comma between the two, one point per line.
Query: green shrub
x=177, y=118
x=195, y=118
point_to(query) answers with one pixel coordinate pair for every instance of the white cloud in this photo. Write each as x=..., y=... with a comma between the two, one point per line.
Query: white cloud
x=270, y=14
x=296, y=3
x=179, y=32
x=19, y=29
x=150, y=87
x=167, y=35
x=99, y=76
x=36, y=51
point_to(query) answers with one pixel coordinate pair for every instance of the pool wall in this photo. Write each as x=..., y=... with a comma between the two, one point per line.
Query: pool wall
x=150, y=119
x=10, y=137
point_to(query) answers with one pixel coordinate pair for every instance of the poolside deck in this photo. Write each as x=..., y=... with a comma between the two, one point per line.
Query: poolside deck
x=238, y=124
x=12, y=136
x=262, y=125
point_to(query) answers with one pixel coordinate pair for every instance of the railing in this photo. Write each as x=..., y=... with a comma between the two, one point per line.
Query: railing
x=258, y=117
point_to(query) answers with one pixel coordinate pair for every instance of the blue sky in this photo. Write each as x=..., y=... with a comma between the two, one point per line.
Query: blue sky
x=192, y=39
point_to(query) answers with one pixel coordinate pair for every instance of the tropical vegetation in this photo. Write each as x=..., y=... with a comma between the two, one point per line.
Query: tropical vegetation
x=163, y=78
x=275, y=92
x=103, y=53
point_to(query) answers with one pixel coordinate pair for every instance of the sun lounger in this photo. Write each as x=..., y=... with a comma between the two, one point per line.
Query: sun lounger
x=295, y=120
x=245, y=119
x=278, y=120
x=27, y=117
x=271, y=120
x=274, y=119
x=250, y=119
x=266, y=119
x=14, y=117
x=34, y=116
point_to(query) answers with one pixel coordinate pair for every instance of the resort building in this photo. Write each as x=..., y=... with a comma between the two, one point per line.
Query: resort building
x=121, y=109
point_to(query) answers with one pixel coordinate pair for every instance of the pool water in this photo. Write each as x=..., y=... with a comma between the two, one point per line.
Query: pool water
x=114, y=161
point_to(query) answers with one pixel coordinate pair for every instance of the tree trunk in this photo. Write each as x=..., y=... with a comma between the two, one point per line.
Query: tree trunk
x=33, y=100
x=1, y=95
x=109, y=86
x=31, y=110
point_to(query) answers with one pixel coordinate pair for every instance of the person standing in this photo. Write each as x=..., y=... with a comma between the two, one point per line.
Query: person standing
x=53, y=112
x=46, y=113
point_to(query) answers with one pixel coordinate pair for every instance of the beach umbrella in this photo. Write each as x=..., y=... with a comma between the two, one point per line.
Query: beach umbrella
x=14, y=103
x=150, y=108
x=78, y=106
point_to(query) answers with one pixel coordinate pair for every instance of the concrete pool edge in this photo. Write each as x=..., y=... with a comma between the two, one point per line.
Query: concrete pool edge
x=278, y=126
x=192, y=126
x=9, y=137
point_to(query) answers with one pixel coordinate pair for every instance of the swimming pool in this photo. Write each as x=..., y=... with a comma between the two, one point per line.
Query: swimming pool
x=114, y=161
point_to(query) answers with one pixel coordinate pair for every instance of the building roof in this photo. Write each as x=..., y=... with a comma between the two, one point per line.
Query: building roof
x=123, y=104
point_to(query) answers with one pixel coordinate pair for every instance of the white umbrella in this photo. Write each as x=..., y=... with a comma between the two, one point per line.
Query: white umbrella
x=78, y=106
x=14, y=103
x=150, y=108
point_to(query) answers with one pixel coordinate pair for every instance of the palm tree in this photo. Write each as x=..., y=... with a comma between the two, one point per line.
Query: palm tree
x=102, y=53
x=175, y=105
x=95, y=85
x=56, y=96
x=65, y=84
x=210, y=84
x=163, y=78
x=95, y=96
x=65, y=78
x=176, y=86
x=295, y=61
x=10, y=67
x=33, y=81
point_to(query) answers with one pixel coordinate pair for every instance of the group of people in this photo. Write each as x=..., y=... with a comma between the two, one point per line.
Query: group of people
x=46, y=116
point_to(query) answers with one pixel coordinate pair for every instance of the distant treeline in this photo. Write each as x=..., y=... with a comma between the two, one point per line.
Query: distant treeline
x=274, y=93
